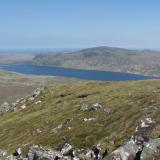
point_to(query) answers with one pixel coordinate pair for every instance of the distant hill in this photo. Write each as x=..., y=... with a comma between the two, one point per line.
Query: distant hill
x=11, y=58
x=144, y=62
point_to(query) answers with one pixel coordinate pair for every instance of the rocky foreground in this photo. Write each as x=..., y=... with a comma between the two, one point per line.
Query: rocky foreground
x=140, y=145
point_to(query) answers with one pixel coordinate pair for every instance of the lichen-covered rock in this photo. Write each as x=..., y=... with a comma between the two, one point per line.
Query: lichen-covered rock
x=56, y=129
x=66, y=149
x=151, y=149
x=4, y=107
x=124, y=152
x=37, y=92
x=11, y=157
x=2, y=153
x=93, y=107
x=37, y=152
x=84, y=107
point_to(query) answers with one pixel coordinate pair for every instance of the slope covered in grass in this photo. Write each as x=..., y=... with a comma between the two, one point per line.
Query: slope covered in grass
x=61, y=105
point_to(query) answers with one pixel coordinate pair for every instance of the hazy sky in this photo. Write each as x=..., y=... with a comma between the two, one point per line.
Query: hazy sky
x=79, y=23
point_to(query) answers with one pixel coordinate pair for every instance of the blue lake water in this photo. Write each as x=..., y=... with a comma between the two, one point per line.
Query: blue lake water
x=73, y=73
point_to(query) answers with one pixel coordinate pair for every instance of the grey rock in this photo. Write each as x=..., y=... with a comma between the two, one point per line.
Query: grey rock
x=37, y=152
x=37, y=92
x=84, y=107
x=4, y=107
x=124, y=152
x=67, y=148
x=56, y=129
x=96, y=106
x=31, y=98
x=151, y=149
x=89, y=119
x=93, y=107
x=18, y=151
x=2, y=153
x=107, y=110
x=84, y=154
x=11, y=157
x=36, y=131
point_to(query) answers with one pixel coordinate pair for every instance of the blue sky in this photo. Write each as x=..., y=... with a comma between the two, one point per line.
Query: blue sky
x=79, y=23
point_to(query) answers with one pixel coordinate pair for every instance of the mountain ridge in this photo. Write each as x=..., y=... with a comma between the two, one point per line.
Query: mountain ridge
x=145, y=62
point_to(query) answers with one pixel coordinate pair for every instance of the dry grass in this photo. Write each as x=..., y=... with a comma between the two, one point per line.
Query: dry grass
x=126, y=99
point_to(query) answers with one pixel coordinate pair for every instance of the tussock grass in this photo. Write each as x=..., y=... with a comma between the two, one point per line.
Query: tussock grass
x=61, y=102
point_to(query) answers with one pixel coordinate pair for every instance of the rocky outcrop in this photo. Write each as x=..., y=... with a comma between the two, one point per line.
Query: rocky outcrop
x=93, y=107
x=140, y=146
x=67, y=152
x=37, y=152
x=20, y=102
x=4, y=107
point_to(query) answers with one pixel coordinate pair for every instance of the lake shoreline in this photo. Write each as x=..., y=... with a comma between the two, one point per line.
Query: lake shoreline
x=73, y=73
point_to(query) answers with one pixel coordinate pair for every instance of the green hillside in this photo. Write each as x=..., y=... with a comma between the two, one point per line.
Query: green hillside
x=59, y=107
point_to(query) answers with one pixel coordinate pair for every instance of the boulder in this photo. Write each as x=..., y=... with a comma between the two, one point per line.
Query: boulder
x=11, y=157
x=84, y=107
x=38, y=102
x=31, y=98
x=83, y=154
x=96, y=106
x=93, y=107
x=89, y=119
x=2, y=153
x=151, y=149
x=67, y=149
x=18, y=151
x=23, y=106
x=37, y=152
x=37, y=92
x=125, y=152
x=56, y=129
x=5, y=106
x=36, y=131
x=107, y=110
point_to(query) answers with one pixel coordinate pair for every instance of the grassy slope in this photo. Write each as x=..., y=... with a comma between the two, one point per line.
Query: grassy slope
x=126, y=99
x=13, y=85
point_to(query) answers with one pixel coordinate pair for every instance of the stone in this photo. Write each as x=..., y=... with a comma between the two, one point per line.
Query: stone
x=17, y=152
x=84, y=107
x=5, y=106
x=151, y=149
x=107, y=110
x=2, y=153
x=93, y=107
x=66, y=149
x=37, y=92
x=38, y=102
x=96, y=106
x=36, y=131
x=31, y=98
x=11, y=157
x=38, y=152
x=124, y=152
x=55, y=130
x=84, y=154
x=23, y=106
x=89, y=119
